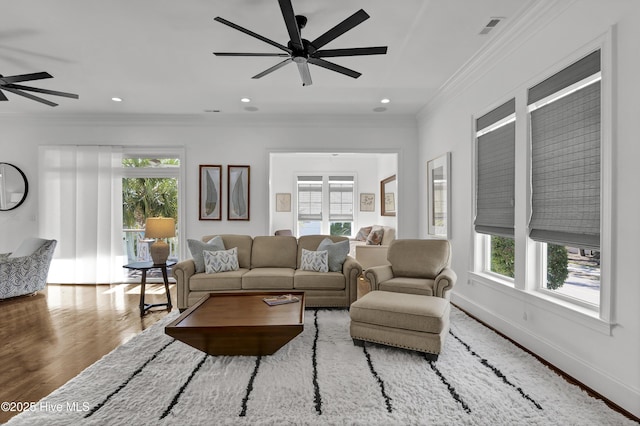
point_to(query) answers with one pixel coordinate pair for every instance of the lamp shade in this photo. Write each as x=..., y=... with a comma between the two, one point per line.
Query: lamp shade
x=160, y=227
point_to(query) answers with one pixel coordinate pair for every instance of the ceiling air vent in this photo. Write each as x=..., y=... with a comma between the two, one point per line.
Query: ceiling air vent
x=493, y=22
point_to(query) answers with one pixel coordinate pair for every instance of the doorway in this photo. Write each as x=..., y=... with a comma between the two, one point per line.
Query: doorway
x=150, y=188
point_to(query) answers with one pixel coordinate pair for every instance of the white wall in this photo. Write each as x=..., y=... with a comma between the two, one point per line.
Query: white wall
x=207, y=140
x=286, y=166
x=551, y=34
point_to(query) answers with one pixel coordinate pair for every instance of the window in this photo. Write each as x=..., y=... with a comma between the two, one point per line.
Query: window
x=565, y=116
x=325, y=204
x=150, y=188
x=553, y=239
x=340, y=205
x=309, y=205
x=495, y=187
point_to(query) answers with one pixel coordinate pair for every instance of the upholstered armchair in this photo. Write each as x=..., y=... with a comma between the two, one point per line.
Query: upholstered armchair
x=416, y=267
x=25, y=270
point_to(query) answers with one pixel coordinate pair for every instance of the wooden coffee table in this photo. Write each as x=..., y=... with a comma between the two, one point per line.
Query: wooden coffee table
x=239, y=323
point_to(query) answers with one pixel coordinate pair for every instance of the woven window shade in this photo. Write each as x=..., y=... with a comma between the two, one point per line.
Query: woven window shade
x=495, y=180
x=565, y=138
x=341, y=198
x=310, y=198
x=575, y=72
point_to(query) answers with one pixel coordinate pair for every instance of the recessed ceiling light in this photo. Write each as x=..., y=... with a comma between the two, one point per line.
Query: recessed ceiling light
x=245, y=100
x=385, y=101
x=116, y=99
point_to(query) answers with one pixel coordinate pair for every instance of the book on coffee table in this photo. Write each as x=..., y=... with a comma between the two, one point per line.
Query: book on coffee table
x=280, y=300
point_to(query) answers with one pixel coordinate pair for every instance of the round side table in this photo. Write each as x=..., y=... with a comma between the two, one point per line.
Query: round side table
x=144, y=267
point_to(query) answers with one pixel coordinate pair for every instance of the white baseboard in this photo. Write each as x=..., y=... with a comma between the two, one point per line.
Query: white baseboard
x=590, y=376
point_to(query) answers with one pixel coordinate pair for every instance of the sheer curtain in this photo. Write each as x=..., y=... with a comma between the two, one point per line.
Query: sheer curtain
x=80, y=205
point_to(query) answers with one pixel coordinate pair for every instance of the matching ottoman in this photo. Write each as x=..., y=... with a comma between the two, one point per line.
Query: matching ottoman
x=410, y=321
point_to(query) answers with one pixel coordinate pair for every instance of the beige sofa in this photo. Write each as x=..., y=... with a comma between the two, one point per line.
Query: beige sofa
x=373, y=255
x=271, y=263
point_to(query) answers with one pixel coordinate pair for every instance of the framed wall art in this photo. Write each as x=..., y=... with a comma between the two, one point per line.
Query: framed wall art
x=439, y=196
x=283, y=202
x=367, y=202
x=238, y=181
x=210, y=192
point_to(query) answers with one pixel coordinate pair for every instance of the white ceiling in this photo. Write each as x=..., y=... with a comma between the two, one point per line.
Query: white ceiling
x=157, y=54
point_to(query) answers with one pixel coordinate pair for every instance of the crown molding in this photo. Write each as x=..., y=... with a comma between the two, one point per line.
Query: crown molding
x=527, y=22
x=215, y=120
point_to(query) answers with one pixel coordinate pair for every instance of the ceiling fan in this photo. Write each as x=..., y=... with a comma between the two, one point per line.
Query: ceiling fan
x=304, y=52
x=7, y=84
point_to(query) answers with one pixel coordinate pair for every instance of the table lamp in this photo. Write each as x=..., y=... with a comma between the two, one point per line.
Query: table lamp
x=160, y=227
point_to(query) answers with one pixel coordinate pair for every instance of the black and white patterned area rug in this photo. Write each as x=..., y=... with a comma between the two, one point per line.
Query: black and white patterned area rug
x=321, y=378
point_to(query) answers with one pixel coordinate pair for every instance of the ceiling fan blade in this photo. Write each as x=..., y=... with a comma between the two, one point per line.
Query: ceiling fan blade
x=334, y=67
x=3, y=97
x=282, y=55
x=332, y=53
x=291, y=23
x=305, y=74
x=273, y=68
x=26, y=77
x=344, y=26
x=30, y=96
x=252, y=34
x=45, y=91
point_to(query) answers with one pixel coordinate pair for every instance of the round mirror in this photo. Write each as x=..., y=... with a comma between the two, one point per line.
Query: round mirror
x=13, y=187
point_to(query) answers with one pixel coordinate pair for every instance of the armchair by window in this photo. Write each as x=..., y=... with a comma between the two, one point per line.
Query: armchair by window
x=25, y=270
x=416, y=267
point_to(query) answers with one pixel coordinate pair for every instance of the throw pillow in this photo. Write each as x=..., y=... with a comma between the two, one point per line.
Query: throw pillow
x=317, y=261
x=375, y=236
x=197, y=247
x=363, y=233
x=337, y=253
x=220, y=260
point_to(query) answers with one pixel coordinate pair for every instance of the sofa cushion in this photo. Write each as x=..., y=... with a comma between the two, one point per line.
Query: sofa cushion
x=422, y=286
x=268, y=278
x=309, y=280
x=198, y=247
x=244, y=244
x=419, y=258
x=274, y=252
x=231, y=280
x=221, y=260
x=337, y=252
x=388, y=235
x=317, y=261
x=311, y=242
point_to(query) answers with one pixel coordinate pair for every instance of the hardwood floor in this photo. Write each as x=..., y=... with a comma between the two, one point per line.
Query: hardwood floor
x=49, y=338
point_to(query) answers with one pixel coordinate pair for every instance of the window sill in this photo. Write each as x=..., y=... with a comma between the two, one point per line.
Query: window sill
x=492, y=280
x=578, y=314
